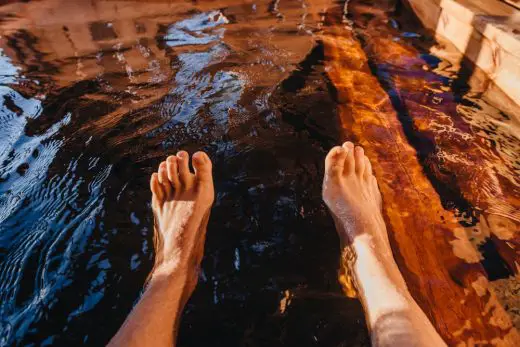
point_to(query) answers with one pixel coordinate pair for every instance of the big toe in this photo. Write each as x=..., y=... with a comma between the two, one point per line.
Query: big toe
x=368, y=169
x=335, y=161
x=203, y=166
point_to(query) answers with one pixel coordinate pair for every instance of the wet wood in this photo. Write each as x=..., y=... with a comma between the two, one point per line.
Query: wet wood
x=440, y=266
x=515, y=3
x=461, y=156
x=459, y=150
x=487, y=32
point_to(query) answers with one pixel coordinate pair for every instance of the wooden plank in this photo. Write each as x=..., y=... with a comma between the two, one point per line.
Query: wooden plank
x=486, y=7
x=450, y=287
x=515, y=3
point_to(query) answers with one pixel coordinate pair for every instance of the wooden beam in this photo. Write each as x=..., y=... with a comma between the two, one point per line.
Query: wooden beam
x=440, y=266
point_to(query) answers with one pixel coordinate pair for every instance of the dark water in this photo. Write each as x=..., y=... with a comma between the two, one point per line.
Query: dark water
x=94, y=95
x=92, y=105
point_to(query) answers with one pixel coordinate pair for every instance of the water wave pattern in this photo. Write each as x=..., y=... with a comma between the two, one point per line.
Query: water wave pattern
x=39, y=214
x=194, y=30
x=115, y=92
x=50, y=208
x=9, y=72
x=494, y=136
x=194, y=86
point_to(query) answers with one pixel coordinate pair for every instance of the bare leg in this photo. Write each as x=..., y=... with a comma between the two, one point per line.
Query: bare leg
x=181, y=203
x=351, y=193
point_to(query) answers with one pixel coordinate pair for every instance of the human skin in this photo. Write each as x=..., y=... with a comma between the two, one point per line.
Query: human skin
x=351, y=193
x=181, y=203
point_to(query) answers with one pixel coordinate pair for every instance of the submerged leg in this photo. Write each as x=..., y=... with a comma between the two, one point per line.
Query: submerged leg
x=181, y=203
x=352, y=195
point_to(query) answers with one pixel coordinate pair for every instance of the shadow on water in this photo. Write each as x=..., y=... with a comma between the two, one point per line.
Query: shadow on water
x=91, y=108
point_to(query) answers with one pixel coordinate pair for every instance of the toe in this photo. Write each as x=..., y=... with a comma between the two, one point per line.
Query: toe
x=335, y=161
x=359, y=156
x=173, y=171
x=156, y=188
x=186, y=177
x=368, y=168
x=202, y=165
x=164, y=181
x=350, y=162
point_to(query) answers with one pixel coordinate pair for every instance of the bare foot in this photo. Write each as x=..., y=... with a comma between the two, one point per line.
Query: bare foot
x=369, y=270
x=181, y=203
x=351, y=193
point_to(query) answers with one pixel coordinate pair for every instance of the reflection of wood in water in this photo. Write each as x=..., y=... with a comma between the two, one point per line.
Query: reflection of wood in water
x=450, y=287
x=460, y=157
x=118, y=47
x=453, y=291
x=106, y=49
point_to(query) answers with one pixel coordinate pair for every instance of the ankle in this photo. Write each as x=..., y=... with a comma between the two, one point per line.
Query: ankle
x=370, y=231
x=178, y=273
x=372, y=245
x=374, y=253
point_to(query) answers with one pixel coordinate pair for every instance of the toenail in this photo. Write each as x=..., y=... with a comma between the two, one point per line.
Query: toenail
x=181, y=154
x=171, y=158
x=198, y=156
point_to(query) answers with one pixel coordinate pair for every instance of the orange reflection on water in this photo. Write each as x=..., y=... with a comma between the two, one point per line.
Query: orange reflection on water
x=439, y=263
x=122, y=84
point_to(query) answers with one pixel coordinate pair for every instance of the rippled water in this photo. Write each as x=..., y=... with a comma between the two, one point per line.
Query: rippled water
x=96, y=94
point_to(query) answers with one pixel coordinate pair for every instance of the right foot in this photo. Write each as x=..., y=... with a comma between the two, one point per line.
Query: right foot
x=351, y=193
x=181, y=203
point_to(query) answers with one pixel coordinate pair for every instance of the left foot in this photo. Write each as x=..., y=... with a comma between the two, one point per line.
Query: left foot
x=181, y=202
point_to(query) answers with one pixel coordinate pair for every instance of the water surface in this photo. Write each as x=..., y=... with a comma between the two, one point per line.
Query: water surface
x=96, y=94
x=93, y=102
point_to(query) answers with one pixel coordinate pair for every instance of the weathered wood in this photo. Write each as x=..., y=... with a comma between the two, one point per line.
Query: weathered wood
x=440, y=266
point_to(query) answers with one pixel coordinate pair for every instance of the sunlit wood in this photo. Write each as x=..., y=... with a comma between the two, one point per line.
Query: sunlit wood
x=441, y=268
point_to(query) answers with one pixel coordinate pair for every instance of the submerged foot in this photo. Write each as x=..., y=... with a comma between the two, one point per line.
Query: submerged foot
x=181, y=202
x=351, y=193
